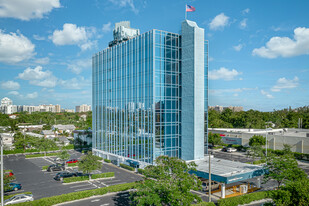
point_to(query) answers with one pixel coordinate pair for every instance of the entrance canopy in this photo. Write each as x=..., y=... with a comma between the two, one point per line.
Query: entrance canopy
x=226, y=171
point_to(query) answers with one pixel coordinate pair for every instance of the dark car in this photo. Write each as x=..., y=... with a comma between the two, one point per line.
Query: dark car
x=71, y=161
x=61, y=175
x=13, y=187
x=55, y=167
x=224, y=149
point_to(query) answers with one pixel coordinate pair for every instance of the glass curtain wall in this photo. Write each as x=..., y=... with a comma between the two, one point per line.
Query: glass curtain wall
x=123, y=99
x=167, y=101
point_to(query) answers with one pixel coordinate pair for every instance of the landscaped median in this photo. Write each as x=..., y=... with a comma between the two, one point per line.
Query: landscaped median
x=86, y=178
x=126, y=167
x=41, y=155
x=47, y=201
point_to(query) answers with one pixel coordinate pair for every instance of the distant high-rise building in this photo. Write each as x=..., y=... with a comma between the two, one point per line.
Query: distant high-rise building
x=83, y=108
x=221, y=108
x=6, y=102
x=150, y=95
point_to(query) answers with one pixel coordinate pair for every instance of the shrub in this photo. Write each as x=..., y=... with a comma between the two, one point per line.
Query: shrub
x=126, y=167
x=48, y=201
x=70, y=146
x=45, y=167
x=141, y=171
x=103, y=175
x=106, y=160
x=245, y=199
x=75, y=179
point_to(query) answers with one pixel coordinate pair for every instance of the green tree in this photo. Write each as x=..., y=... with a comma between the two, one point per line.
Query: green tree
x=294, y=193
x=257, y=140
x=283, y=169
x=63, y=155
x=167, y=183
x=45, y=145
x=214, y=139
x=89, y=163
x=255, y=152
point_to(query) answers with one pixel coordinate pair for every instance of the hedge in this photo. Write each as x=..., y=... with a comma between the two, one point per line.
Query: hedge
x=9, y=196
x=106, y=160
x=84, y=178
x=75, y=179
x=21, y=151
x=45, y=167
x=72, y=164
x=41, y=155
x=126, y=167
x=245, y=199
x=141, y=171
x=205, y=204
x=103, y=175
x=48, y=201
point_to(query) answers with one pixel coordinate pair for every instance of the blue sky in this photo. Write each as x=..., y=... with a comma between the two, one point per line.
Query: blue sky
x=258, y=50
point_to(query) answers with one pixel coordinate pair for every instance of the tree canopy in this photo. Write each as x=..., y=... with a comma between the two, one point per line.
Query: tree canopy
x=89, y=163
x=257, y=140
x=214, y=138
x=167, y=183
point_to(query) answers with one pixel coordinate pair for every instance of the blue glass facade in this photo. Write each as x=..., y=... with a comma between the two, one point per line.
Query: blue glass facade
x=137, y=98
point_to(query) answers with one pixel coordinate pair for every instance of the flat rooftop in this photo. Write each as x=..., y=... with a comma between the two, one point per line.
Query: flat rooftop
x=226, y=171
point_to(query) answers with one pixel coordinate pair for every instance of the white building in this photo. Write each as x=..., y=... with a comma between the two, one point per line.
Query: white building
x=83, y=108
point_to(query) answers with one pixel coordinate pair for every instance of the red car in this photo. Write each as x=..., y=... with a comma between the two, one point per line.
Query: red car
x=71, y=161
x=9, y=174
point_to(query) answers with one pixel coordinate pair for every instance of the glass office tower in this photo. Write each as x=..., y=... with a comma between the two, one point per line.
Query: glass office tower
x=142, y=106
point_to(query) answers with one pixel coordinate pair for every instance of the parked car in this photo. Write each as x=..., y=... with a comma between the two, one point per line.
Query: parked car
x=13, y=187
x=210, y=146
x=71, y=161
x=214, y=186
x=224, y=149
x=231, y=149
x=55, y=167
x=64, y=174
x=19, y=199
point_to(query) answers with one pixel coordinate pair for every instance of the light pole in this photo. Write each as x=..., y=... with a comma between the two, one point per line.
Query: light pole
x=209, y=181
x=2, y=189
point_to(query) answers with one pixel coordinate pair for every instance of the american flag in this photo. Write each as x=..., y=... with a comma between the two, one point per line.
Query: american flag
x=190, y=8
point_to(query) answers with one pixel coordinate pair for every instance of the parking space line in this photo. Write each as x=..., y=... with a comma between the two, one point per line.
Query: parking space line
x=96, y=200
x=89, y=188
x=49, y=160
x=93, y=184
x=80, y=186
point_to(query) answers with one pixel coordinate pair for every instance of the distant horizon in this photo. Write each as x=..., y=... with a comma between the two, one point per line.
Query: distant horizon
x=258, y=50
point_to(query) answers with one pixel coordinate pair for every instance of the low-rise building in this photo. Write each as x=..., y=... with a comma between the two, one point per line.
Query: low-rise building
x=48, y=133
x=8, y=139
x=60, y=129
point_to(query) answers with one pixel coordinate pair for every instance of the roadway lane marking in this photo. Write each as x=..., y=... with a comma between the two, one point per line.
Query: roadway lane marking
x=105, y=204
x=89, y=188
x=96, y=200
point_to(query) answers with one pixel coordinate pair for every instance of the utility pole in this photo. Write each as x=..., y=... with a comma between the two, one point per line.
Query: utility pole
x=2, y=189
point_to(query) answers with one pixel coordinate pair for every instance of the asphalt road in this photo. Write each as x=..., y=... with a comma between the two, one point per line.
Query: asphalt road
x=28, y=172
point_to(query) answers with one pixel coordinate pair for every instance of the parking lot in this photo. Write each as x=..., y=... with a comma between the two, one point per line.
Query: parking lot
x=29, y=173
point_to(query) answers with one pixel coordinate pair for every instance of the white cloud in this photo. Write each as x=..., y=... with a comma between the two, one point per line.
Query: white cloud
x=107, y=27
x=125, y=3
x=246, y=11
x=219, y=22
x=39, y=38
x=27, y=9
x=266, y=94
x=243, y=24
x=74, y=35
x=31, y=95
x=44, y=60
x=14, y=93
x=70, y=35
x=39, y=77
x=230, y=91
x=75, y=83
x=10, y=85
x=238, y=47
x=223, y=73
x=283, y=83
x=15, y=47
x=284, y=46
x=27, y=96
x=77, y=66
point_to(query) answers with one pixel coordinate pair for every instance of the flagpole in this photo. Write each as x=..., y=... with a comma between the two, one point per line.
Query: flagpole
x=186, y=12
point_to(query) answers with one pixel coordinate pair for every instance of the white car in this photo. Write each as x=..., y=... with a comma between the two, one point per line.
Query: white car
x=19, y=199
x=231, y=149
